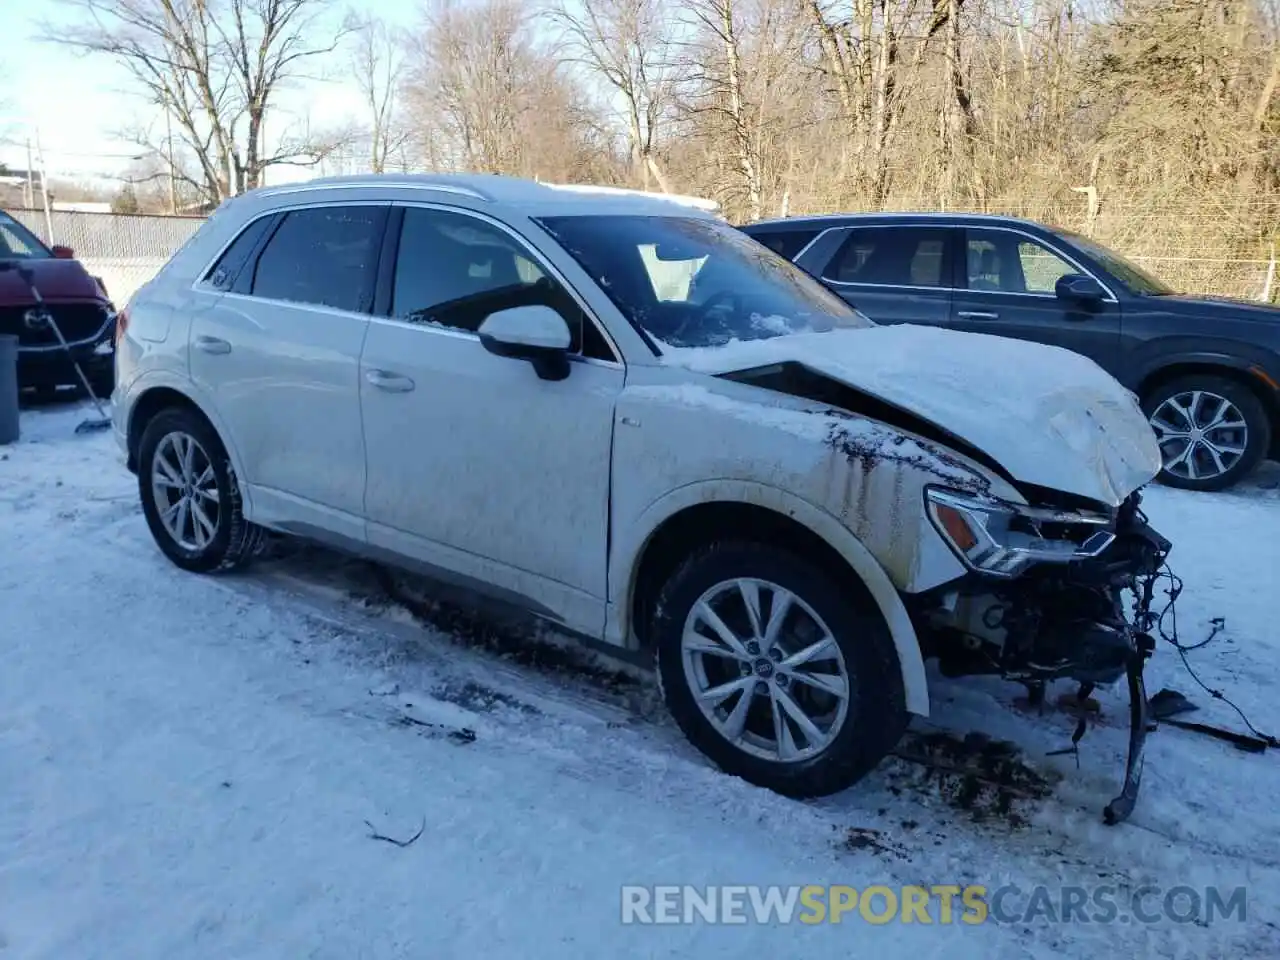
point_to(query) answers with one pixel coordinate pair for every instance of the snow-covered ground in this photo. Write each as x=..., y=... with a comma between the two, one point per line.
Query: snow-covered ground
x=191, y=767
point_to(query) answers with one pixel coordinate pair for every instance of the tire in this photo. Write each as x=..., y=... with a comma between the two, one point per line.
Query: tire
x=103, y=384
x=233, y=541
x=1201, y=395
x=875, y=715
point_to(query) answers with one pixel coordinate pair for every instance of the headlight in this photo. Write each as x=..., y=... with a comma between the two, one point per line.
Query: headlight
x=1003, y=539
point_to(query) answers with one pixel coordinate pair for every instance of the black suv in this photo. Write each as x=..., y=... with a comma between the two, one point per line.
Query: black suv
x=1206, y=370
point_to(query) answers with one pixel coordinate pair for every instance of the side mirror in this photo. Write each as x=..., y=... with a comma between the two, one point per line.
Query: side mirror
x=62, y=253
x=535, y=333
x=1078, y=287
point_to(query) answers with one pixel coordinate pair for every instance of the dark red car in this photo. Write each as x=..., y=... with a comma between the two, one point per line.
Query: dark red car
x=77, y=302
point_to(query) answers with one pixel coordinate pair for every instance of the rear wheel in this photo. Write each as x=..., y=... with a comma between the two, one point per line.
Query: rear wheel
x=1212, y=431
x=777, y=674
x=190, y=496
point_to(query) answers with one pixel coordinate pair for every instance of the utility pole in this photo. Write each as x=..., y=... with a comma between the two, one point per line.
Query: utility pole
x=168, y=124
x=29, y=188
x=44, y=190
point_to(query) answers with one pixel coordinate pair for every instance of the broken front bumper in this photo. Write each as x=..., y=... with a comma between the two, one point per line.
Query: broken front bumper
x=1132, y=561
x=1052, y=595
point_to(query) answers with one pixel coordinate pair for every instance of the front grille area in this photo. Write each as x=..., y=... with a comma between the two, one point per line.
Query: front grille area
x=77, y=321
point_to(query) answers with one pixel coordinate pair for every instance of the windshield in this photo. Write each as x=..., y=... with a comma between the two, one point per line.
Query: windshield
x=17, y=242
x=1136, y=279
x=692, y=282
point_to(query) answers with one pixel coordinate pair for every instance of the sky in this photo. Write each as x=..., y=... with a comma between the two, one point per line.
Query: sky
x=78, y=104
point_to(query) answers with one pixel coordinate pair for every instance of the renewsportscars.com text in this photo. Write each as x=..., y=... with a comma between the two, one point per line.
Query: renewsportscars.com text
x=943, y=904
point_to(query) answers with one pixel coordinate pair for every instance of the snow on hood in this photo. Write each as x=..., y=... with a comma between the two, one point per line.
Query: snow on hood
x=1049, y=416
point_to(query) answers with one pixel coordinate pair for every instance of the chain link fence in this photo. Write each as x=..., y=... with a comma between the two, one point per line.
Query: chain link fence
x=126, y=250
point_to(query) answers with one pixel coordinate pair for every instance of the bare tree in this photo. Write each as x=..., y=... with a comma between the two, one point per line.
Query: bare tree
x=378, y=61
x=470, y=64
x=956, y=121
x=872, y=57
x=159, y=188
x=1152, y=124
x=742, y=99
x=125, y=200
x=483, y=96
x=217, y=67
x=723, y=93
x=629, y=44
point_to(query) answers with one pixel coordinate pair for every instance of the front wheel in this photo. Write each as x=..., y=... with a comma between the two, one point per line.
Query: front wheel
x=190, y=496
x=1212, y=431
x=776, y=673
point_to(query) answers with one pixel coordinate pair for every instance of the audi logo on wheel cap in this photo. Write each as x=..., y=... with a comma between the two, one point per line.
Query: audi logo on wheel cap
x=36, y=318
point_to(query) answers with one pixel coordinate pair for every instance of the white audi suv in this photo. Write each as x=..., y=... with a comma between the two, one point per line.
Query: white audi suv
x=613, y=412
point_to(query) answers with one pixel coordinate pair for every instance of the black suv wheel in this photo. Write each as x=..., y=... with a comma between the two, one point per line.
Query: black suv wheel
x=1212, y=431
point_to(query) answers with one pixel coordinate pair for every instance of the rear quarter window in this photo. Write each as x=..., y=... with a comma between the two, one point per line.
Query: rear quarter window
x=222, y=275
x=787, y=243
x=891, y=256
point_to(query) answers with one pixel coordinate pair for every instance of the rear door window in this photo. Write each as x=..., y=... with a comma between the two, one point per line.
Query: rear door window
x=892, y=256
x=323, y=257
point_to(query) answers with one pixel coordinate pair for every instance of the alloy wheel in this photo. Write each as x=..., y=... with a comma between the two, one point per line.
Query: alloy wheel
x=185, y=489
x=765, y=670
x=1202, y=435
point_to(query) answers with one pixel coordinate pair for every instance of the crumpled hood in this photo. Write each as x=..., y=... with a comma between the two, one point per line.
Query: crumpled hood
x=1050, y=417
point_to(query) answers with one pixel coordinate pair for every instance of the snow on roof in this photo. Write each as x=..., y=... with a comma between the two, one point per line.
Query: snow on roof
x=698, y=202
x=494, y=188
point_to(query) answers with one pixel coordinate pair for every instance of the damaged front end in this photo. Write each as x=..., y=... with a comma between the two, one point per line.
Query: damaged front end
x=1051, y=594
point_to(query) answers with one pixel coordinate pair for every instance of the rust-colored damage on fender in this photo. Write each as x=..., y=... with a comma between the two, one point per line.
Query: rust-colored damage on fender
x=876, y=483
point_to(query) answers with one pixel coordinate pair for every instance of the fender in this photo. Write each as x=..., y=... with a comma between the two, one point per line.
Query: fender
x=163, y=379
x=1244, y=358
x=624, y=565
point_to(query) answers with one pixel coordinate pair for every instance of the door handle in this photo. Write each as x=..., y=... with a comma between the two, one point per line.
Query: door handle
x=212, y=345
x=976, y=315
x=390, y=382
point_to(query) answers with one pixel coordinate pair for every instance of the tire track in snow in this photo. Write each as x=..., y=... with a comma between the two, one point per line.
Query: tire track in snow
x=585, y=734
x=516, y=693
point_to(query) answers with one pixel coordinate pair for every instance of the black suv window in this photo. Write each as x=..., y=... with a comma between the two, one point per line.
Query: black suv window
x=1005, y=262
x=892, y=256
x=453, y=270
x=325, y=256
x=223, y=273
x=788, y=243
